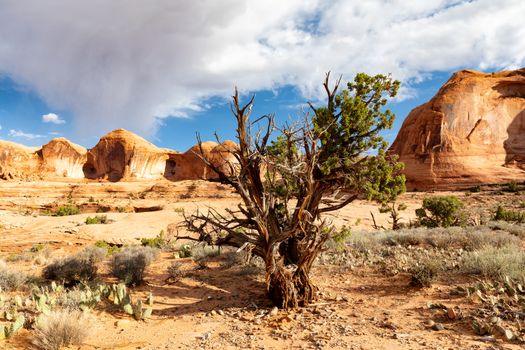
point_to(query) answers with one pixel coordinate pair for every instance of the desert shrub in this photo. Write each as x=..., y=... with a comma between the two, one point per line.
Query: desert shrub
x=11, y=279
x=109, y=248
x=77, y=268
x=97, y=219
x=201, y=253
x=503, y=214
x=179, y=210
x=175, y=271
x=338, y=240
x=158, y=242
x=425, y=272
x=496, y=262
x=36, y=248
x=440, y=211
x=512, y=187
x=130, y=264
x=60, y=329
x=475, y=189
x=67, y=210
x=515, y=229
x=468, y=238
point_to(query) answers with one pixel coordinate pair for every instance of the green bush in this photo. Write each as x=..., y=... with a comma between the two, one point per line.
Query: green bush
x=512, y=187
x=158, y=242
x=110, y=249
x=130, y=264
x=67, y=210
x=503, y=214
x=98, y=219
x=440, y=211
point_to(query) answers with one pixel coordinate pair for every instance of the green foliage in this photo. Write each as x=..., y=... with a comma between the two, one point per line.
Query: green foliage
x=348, y=130
x=512, y=187
x=503, y=214
x=67, y=210
x=340, y=237
x=110, y=248
x=440, y=211
x=36, y=248
x=98, y=219
x=158, y=242
x=475, y=189
x=121, y=297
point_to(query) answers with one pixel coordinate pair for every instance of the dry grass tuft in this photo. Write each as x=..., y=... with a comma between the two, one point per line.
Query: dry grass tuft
x=60, y=329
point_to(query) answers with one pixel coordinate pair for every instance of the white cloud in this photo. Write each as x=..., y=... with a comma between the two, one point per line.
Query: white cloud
x=52, y=118
x=127, y=63
x=19, y=133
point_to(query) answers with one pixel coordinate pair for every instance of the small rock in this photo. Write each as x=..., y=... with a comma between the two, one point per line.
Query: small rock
x=508, y=334
x=488, y=339
x=438, y=327
x=274, y=311
x=213, y=313
x=451, y=313
x=429, y=323
x=220, y=312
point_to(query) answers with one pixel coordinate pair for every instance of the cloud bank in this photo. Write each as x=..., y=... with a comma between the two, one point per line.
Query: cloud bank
x=127, y=63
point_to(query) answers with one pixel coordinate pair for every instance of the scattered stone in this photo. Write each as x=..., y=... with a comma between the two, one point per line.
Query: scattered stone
x=487, y=339
x=452, y=314
x=213, y=313
x=220, y=312
x=429, y=323
x=274, y=311
x=438, y=327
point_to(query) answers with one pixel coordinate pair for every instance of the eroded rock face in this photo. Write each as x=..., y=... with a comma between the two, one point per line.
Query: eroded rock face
x=118, y=156
x=18, y=162
x=63, y=158
x=122, y=155
x=471, y=132
x=189, y=165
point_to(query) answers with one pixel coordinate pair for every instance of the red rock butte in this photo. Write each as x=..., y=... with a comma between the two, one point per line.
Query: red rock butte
x=471, y=132
x=119, y=156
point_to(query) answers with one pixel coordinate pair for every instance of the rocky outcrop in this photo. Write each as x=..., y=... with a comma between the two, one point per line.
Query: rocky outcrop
x=471, y=132
x=122, y=155
x=17, y=162
x=63, y=158
x=118, y=156
x=189, y=165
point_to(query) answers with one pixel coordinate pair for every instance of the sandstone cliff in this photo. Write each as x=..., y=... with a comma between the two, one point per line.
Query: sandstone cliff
x=122, y=155
x=471, y=132
x=63, y=158
x=119, y=156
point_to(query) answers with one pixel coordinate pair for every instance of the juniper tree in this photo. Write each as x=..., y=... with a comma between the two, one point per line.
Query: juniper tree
x=289, y=177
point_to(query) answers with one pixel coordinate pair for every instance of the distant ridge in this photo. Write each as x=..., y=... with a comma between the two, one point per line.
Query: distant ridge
x=118, y=156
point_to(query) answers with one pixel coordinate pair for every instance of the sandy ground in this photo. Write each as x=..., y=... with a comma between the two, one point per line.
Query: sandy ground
x=221, y=308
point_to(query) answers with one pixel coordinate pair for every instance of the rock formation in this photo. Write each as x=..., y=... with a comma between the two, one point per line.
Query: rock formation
x=471, y=132
x=63, y=158
x=189, y=166
x=122, y=155
x=119, y=156
x=17, y=162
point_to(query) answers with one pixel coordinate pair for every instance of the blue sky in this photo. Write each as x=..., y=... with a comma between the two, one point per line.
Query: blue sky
x=165, y=69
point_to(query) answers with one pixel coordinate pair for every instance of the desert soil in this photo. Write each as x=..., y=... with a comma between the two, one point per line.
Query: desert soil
x=225, y=308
